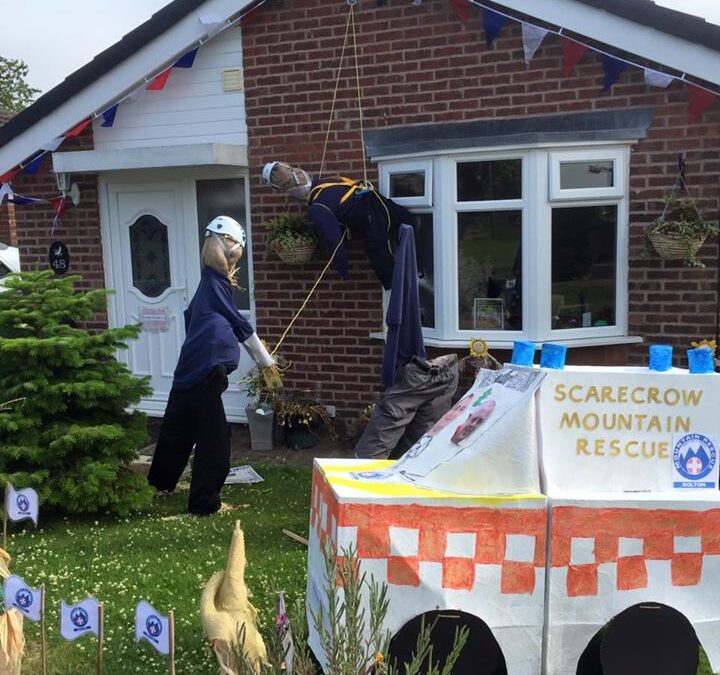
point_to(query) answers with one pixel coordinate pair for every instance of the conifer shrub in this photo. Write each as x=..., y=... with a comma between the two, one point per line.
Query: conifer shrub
x=70, y=433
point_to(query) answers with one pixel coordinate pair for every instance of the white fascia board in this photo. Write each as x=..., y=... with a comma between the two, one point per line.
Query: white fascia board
x=643, y=41
x=199, y=154
x=123, y=78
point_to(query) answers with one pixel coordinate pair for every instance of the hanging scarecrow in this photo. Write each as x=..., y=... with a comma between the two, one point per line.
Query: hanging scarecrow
x=341, y=208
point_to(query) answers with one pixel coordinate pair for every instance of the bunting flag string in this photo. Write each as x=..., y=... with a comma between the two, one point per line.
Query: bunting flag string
x=159, y=82
x=109, y=116
x=699, y=98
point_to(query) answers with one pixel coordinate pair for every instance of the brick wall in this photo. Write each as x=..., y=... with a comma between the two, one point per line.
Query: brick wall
x=80, y=229
x=8, y=232
x=421, y=65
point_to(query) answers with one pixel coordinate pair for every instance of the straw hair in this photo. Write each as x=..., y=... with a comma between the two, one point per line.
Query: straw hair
x=215, y=257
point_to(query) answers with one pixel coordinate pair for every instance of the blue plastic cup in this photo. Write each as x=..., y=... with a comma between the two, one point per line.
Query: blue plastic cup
x=553, y=356
x=661, y=357
x=700, y=361
x=523, y=353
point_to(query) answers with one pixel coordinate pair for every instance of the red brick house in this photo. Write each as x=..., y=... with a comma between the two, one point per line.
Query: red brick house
x=531, y=186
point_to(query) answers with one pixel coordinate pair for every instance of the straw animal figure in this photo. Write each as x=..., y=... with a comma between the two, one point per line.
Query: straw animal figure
x=12, y=640
x=226, y=613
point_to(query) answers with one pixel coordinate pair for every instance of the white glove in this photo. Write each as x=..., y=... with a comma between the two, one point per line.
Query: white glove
x=257, y=351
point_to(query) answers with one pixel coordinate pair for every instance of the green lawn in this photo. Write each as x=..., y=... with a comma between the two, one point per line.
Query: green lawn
x=167, y=562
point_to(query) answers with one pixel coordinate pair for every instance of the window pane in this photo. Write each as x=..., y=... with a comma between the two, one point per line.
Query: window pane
x=575, y=175
x=483, y=181
x=4, y=270
x=424, y=251
x=410, y=184
x=225, y=197
x=584, y=265
x=150, y=256
x=489, y=269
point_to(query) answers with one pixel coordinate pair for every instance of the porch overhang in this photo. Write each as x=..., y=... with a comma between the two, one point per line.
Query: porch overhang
x=198, y=154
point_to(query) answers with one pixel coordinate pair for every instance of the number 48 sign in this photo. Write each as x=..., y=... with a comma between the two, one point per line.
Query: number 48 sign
x=59, y=258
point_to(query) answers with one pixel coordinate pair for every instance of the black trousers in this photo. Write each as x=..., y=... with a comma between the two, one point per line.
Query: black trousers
x=195, y=417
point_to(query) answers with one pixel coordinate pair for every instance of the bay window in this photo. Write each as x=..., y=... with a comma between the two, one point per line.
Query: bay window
x=518, y=244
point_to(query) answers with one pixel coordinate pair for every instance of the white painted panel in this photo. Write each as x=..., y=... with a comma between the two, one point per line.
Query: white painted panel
x=192, y=107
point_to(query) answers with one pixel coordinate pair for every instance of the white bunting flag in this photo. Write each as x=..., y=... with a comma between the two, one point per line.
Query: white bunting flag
x=80, y=619
x=5, y=192
x=152, y=626
x=532, y=37
x=655, y=78
x=22, y=504
x=20, y=596
x=53, y=145
x=213, y=23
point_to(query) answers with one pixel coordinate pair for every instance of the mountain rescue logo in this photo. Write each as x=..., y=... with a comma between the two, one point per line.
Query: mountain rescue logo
x=694, y=458
x=79, y=618
x=23, y=598
x=23, y=504
x=153, y=627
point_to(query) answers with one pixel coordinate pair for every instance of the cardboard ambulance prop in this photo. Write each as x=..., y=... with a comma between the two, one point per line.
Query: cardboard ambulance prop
x=628, y=515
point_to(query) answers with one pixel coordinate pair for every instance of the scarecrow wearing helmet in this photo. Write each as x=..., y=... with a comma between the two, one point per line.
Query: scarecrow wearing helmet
x=336, y=204
x=195, y=415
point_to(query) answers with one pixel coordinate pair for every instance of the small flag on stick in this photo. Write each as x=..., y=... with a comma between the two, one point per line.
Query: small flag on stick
x=156, y=629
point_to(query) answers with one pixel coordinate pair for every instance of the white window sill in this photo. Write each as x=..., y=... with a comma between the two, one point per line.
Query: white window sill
x=601, y=341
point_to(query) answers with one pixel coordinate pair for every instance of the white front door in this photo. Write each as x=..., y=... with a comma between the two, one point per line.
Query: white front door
x=152, y=242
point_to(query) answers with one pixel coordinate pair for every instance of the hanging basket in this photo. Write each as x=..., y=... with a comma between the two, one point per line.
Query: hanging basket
x=675, y=246
x=295, y=254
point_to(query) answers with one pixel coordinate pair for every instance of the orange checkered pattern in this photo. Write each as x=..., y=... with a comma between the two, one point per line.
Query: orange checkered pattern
x=484, y=532
x=653, y=534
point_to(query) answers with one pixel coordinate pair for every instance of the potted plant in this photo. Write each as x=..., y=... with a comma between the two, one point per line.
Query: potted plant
x=680, y=231
x=301, y=417
x=291, y=238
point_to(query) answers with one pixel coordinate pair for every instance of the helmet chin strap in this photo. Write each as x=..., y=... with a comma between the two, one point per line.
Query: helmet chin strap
x=228, y=250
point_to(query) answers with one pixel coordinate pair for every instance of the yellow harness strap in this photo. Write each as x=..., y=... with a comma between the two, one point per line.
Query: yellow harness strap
x=352, y=187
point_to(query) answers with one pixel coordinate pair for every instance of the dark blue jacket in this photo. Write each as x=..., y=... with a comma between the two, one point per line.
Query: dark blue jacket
x=213, y=328
x=365, y=214
x=404, y=327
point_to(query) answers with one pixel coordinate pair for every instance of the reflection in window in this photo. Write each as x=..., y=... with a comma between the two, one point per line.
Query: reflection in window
x=584, y=264
x=577, y=175
x=225, y=197
x=424, y=251
x=483, y=181
x=4, y=270
x=489, y=270
x=411, y=184
x=150, y=256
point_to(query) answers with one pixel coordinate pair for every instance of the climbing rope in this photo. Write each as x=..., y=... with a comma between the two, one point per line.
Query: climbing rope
x=366, y=185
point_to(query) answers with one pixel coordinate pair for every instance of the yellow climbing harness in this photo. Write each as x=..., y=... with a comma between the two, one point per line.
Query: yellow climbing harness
x=352, y=187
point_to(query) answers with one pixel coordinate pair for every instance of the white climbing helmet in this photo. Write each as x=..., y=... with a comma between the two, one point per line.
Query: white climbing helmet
x=291, y=179
x=225, y=225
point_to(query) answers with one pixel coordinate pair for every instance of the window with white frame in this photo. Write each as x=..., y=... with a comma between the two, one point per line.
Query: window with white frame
x=516, y=244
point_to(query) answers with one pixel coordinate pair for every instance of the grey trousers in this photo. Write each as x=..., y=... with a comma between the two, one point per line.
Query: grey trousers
x=408, y=409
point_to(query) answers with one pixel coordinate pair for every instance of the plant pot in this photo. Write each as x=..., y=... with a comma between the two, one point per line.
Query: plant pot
x=261, y=426
x=300, y=437
x=674, y=246
x=295, y=254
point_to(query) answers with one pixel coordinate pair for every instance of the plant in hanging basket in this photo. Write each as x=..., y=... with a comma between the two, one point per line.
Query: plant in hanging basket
x=680, y=231
x=291, y=238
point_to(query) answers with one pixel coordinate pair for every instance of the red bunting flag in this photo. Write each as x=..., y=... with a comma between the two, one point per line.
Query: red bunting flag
x=76, y=131
x=7, y=177
x=160, y=81
x=700, y=100
x=461, y=9
x=572, y=53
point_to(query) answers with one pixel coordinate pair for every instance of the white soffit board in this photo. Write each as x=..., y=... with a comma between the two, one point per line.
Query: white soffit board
x=643, y=41
x=199, y=154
